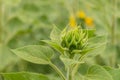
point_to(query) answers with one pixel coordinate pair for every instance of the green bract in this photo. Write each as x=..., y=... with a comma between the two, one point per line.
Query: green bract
x=75, y=39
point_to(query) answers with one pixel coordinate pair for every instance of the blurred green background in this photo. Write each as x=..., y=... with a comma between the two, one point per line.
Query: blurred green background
x=26, y=22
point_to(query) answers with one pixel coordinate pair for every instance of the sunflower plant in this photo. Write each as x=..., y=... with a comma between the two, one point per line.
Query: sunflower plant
x=75, y=46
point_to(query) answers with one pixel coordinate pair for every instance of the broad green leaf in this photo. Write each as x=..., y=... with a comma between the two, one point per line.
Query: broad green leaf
x=54, y=45
x=35, y=53
x=79, y=76
x=55, y=34
x=115, y=73
x=101, y=40
x=98, y=73
x=96, y=45
x=23, y=76
x=53, y=77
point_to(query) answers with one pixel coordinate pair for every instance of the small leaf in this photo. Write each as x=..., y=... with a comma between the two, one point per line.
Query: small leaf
x=35, y=53
x=23, y=76
x=90, y=32
x=67, y=61
x=98, y=73
x=54, y=45
x=55, y=34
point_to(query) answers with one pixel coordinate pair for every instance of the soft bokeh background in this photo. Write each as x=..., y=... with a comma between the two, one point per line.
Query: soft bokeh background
x=26, y=22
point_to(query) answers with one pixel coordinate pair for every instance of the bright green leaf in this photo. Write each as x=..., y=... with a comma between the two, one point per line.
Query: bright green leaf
x=54, y=45
x=97, y=42
x=91, y=32
x=96, y=45
x=98, y=73
x=55, y=34
x=115, y=73
x=24, y=76
x=35, y=53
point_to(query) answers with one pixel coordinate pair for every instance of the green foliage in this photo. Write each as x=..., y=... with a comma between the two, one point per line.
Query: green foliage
x=55, y=45
x=98, y=73
x=24, y=76
x=55, y=35
x=67, y=61
x=71, y=58
x=114, y=73
x=35, y=53
x=28, y=23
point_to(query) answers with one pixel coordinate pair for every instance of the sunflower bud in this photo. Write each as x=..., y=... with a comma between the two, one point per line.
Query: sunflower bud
x=75, y=39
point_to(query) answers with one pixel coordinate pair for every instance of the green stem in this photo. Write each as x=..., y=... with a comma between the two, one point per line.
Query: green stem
x=57, y=70
x=69, y=73
x=1, y=21
x=113, y=38
x=113, y=22
x=76, y=66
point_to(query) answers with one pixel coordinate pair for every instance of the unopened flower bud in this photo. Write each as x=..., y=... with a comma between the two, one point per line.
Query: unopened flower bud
x=74, y=39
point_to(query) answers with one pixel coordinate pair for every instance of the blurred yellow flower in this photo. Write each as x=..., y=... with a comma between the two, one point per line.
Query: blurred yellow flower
x=72, y=21
x=81, y=14
x=89, y=21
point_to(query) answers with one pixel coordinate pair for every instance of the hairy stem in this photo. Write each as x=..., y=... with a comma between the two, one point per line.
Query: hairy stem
x=57, y=70
x=76, y=66
x=69, y=73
